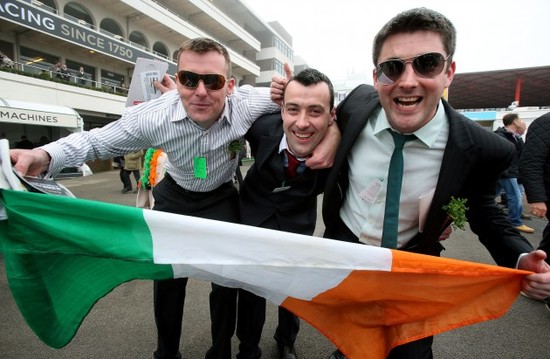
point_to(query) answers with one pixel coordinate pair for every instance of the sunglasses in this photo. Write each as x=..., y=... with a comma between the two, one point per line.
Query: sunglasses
x=211, y=81
x=427, y=65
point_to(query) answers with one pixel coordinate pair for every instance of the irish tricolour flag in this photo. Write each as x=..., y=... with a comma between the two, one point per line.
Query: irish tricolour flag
x=63, y=254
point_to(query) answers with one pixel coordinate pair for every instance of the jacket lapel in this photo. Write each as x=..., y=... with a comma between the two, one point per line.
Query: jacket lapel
x=457, y=162
x=266, y=147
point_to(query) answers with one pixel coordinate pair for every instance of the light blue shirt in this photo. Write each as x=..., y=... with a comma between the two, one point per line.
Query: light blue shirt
x=363, y=208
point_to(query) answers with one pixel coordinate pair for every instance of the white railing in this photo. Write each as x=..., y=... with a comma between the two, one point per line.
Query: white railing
x=71, y=78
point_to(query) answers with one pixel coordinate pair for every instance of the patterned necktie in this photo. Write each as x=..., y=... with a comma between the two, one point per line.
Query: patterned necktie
x=293, y=163
x=393, y=194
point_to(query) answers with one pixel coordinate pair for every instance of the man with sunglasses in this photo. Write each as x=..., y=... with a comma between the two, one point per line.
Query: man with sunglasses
x=195, y=127
x=447, y=159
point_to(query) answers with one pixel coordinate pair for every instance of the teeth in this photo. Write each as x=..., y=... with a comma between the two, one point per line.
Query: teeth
x=407, y=101
x=302, y=135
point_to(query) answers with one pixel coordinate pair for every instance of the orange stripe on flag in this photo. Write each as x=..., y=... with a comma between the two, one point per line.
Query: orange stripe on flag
x=371, y=312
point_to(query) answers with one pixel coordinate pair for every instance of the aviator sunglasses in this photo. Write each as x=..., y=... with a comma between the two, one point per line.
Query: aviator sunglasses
x=427, y=65
x=211, y=81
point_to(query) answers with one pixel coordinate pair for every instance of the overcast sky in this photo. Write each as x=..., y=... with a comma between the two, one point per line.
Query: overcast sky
x=335, y=36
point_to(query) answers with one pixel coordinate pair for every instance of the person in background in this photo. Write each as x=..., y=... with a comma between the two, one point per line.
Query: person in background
x=65, y=73
x=512, y=130
x=446, y=161
x=43, y=140
x=132, y=164
x=24, y=143
x=81, y=76
x=55, y=70
x=5, y=61
x=118, y=163
x=534, y=172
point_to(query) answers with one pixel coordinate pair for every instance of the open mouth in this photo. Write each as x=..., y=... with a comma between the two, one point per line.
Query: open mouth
x=407, y=101
x=303, y=136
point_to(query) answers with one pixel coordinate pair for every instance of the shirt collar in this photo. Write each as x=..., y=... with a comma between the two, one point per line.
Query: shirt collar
x=427, y=134
x=283, y=145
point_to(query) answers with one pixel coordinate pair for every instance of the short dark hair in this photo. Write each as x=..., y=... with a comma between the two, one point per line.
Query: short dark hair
x=203, y=45
x=509, y=118
x=418, y=19
x=309, y=76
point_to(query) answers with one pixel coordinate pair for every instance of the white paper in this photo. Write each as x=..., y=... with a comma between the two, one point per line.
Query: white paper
x=145, y=73
x=424, y=203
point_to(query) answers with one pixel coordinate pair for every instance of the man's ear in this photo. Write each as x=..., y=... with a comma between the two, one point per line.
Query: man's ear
x=332, y=116
x=230, y=86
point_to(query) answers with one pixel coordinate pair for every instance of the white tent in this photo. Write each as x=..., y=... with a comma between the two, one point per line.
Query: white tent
x=29, y=113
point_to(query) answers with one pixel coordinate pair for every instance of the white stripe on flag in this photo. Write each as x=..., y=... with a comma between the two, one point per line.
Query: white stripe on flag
x=272, y=259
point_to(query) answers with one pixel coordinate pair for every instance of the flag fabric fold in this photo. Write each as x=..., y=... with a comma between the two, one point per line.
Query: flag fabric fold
x=63, y=254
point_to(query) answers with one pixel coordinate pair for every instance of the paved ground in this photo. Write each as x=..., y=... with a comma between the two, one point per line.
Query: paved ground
x=121, y=325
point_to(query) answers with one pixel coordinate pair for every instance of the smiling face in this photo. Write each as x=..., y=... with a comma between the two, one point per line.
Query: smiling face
x=412, y=100
x=306, y=116
x=202, y=105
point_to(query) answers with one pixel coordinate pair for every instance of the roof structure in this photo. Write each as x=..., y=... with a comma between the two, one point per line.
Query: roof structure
x=497, y=89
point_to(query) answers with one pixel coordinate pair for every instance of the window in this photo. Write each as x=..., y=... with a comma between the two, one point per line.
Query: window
x=138, y=38
x=111, y=27
x=78, y=12
x=160, y=48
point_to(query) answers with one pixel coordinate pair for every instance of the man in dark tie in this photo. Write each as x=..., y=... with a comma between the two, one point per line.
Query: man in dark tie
x=280, y=192
x=451, y=160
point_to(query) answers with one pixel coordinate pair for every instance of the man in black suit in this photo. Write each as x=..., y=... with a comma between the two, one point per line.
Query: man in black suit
x=447, y=156
x=273, y=197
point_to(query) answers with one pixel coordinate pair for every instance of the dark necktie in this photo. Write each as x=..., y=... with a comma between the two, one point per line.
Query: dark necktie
x=292, y=167
x=395, y=179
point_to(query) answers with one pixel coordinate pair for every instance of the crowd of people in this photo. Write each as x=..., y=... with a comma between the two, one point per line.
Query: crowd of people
x=304, y=146
x=61, y=71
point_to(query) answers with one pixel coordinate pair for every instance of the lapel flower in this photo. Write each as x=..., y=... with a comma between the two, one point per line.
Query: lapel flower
x=456, y=210
x=234, y=148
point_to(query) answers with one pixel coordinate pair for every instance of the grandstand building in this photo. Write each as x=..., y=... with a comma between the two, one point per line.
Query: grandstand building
x=105, y=37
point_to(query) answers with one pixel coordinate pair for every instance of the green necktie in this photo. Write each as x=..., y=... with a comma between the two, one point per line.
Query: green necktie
x=395, y=179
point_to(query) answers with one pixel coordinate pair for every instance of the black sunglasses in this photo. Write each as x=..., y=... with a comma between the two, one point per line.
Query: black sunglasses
x=427, y=65
x=211, y=81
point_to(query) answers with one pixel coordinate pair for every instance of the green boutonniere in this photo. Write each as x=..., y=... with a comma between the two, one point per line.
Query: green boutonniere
x=234, y=148
x=456, y=209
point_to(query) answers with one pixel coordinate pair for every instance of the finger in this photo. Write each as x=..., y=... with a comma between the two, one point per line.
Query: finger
x=22, y=165
x=288, y=71
x=278, y=82
x=540, y=254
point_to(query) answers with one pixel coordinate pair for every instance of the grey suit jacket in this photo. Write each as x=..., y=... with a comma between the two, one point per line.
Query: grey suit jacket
x=473, y=159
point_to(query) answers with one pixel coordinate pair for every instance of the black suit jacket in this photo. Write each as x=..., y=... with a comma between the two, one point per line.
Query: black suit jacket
x=267, y=198
x=473, y=159
x=534, y=164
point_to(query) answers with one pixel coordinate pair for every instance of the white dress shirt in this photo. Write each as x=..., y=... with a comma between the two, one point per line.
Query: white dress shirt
x=363, y=208
x=163, y=123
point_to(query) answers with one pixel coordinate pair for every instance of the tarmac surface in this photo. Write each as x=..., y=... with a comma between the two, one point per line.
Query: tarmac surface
x=121, y=325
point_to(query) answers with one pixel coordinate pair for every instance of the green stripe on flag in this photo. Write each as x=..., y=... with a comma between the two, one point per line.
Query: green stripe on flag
x=55, y=287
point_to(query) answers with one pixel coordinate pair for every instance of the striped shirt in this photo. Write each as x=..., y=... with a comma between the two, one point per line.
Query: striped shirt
x=163, y=123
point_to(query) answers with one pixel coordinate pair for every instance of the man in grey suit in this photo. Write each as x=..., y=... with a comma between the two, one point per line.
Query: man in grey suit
x=448, y=159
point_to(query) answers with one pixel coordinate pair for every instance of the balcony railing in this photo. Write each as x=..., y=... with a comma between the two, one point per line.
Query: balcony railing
x=70, y=79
